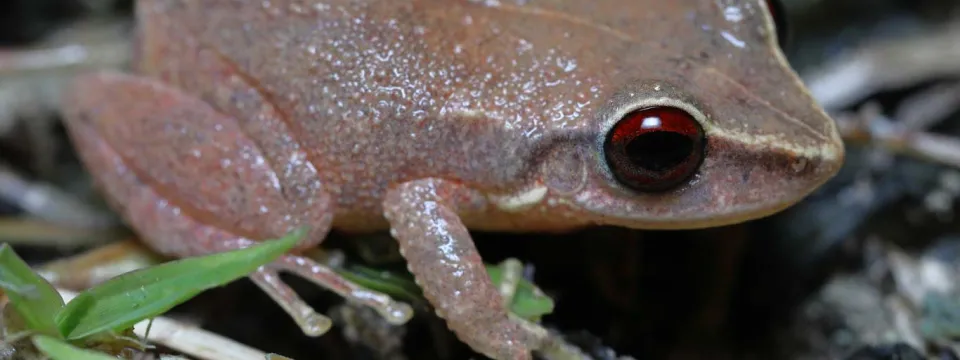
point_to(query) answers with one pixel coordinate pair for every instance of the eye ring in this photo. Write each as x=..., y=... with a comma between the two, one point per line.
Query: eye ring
x=655, y=148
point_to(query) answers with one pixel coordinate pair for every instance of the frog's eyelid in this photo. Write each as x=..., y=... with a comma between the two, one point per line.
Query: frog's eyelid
x=649, y=93
x=610, y=120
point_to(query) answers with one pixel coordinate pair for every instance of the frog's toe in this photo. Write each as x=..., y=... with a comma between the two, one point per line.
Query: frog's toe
x=311, y=322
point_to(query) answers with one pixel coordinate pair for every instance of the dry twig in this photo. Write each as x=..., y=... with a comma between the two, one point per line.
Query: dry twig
x=49, y=203
x=885, y=65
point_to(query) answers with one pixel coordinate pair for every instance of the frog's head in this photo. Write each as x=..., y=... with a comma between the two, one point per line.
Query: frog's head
x=713, y=131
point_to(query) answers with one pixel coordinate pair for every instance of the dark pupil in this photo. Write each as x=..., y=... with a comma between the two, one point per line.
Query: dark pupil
x=659, y=151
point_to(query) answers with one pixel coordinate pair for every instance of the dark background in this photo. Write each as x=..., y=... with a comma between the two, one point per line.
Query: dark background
x=822, y=280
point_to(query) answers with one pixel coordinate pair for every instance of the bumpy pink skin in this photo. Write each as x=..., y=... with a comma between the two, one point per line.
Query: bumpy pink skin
x=248, y=119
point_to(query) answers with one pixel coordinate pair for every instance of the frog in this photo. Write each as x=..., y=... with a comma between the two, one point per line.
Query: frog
x=240, y=121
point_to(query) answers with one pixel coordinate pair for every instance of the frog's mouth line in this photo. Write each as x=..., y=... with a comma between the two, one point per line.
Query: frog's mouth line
x=707, y=221
x=682, y=222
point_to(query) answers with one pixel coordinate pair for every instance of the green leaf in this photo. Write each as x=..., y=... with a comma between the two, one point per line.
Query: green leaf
x=125, y=300
x=528, y=302
x=33, y=298
x=57, y=349
x=398, y=286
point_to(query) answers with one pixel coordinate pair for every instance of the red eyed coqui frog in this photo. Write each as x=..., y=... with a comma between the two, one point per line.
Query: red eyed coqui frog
x=245, y=120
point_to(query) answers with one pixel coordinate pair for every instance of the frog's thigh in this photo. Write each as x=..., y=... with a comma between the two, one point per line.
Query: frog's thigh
x=159, y=219
x=194, y=157
x=442, y=256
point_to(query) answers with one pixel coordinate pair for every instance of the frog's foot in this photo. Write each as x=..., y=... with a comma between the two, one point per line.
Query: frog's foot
x=395, y=312
x=446, y=264
x=192, y=180
x=312, y=323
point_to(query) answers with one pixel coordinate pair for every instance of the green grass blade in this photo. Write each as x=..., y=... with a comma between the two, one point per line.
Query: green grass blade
x=529, y=302
x=398, y=286
x=57, y=349
x=33, y=298
x=127, y=299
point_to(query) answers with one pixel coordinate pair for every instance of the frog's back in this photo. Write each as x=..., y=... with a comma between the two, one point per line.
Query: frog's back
x=378, y=92
x=359, y=85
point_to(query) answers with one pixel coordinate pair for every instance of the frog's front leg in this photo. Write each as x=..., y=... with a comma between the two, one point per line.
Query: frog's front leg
x=440, y=253
x=191, y=181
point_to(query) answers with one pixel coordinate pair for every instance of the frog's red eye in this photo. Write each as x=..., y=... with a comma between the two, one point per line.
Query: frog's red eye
x=778, y=13
x=655, y=149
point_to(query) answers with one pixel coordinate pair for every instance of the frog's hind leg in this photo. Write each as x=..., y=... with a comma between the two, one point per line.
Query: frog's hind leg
x=194, y=157
x=167, y=229
x=191, y=182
